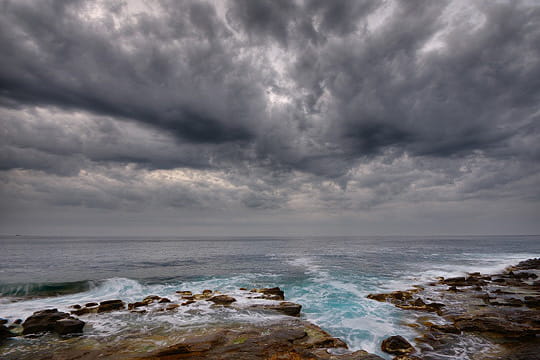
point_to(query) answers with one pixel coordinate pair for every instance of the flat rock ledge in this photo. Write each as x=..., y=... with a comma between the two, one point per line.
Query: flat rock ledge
x=501, y=311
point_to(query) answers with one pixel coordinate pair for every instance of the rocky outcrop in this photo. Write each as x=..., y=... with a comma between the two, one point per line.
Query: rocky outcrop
x=54, y=321
x=500, y=310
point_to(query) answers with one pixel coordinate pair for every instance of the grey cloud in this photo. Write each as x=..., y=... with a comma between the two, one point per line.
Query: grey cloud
x=289, y=101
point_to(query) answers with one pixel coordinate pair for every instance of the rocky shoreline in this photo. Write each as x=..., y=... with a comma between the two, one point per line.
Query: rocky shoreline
x=284, y=337
x=454, y=318
x=500, y=311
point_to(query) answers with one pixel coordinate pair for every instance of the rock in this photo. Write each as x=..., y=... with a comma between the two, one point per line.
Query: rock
x=184, y=293
x=532, y=301
x=18, y=321
x=222, y=300
x=151, y=298
x=290, y=340
x=242, y=288
x=52, y=320
x=136, y=304
x=395, y=296
x=287, y=308
x=172, y=306
x=397, y=345
x=69, y=326
x=187, y=302
x=76, y=306
x=274, y=293
x=164, y=300
x=531, y=264
x=3, y=321
x=91, y=304
x=463, y=281
x=111, y=305
x=5, y=333
x=207, y=292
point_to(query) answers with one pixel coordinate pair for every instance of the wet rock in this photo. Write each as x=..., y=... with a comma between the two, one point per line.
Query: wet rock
x=76, y=306
x=394, y=296
x=463, y=281
x=18, y=321
x=172, y=306
x=184, y=293
x=494, y=323
x=531, y=264
x=532, y=301
x=69, y=326
x=207, y=292
x=52, y=320
x=3, y=321
x=187, y=302
x=222, y=300
x=242, y=288
x=151, y=298
x=295, y=340
x=110, y=305
x=164, y=300
x=287, y=308
x=5, y=333
x=91, y=304
x=274, y=293
x=397, y=345
x=136, y=304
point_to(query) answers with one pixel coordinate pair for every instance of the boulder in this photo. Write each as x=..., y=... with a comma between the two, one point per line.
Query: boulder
x=69, y=326
x=111, y=305
x=397, y=345
x=52, y=320
x=164, y=300
x=222, y=300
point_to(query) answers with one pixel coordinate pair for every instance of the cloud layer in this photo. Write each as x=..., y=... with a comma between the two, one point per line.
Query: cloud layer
x=341, y=108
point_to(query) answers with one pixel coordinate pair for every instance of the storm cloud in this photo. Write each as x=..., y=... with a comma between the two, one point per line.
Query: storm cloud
x=282, y=110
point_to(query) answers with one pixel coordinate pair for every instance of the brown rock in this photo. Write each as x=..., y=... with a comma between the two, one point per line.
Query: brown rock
x=397, y=345
x=287, y=308
x=111, y=305
x=222, y=300
x=52, y=320
x=164, y=300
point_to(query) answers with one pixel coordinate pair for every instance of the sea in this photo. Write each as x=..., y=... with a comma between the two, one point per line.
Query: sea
x=329, y=276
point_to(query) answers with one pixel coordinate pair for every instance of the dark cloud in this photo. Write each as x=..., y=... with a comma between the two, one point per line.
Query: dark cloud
x=269, y=104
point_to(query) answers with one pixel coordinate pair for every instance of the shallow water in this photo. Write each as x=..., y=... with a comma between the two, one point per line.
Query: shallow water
x=330, y=277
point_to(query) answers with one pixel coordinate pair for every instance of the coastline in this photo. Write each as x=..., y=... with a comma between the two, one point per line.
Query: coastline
x=498, y=312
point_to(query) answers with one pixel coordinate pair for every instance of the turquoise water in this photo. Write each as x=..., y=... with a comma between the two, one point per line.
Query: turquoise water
x=330, y=277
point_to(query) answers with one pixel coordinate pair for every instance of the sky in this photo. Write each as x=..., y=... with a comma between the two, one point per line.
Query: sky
x=245, y=118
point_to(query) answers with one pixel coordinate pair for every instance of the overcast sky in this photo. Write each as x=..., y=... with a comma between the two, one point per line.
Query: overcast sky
x=269, y=117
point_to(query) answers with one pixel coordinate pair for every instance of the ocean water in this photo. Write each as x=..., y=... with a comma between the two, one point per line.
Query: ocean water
x=329, y=276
